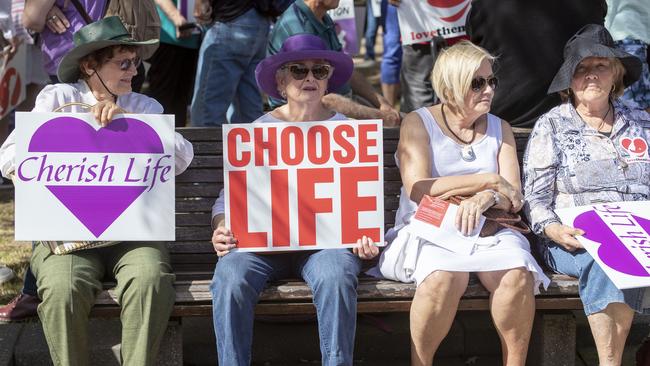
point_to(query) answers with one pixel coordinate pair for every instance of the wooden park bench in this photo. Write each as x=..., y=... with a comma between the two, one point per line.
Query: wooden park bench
x=193, y=260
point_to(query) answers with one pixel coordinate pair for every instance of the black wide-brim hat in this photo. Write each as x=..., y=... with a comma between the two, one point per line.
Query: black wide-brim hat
x=103, y=33
x=592, y=40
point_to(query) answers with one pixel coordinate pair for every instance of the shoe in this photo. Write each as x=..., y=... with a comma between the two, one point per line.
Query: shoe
x=6, y=274
x=22, y=307
x=643, y=354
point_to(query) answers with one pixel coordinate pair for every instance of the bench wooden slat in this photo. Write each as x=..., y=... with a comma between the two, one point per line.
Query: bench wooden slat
x=216, y=148
x=215, y=133
x=216, y=175
x=216, y=161
x=193, y=219
x=388, y=306
x=203, y=190
x=369, y=290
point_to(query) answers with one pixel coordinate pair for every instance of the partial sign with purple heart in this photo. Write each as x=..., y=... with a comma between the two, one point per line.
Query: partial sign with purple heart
x=345, y=26
x=617, y=235
x=76, y=180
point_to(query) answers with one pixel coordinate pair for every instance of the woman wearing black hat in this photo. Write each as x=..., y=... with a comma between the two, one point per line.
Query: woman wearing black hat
x=580, y=152
x=98, y=72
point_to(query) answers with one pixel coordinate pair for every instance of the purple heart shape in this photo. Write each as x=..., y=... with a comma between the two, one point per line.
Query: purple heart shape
x=96, y=207
x=69, y=134
x=611, y=251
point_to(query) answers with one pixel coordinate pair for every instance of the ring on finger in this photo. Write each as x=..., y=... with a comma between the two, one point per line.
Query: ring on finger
x=53, y=18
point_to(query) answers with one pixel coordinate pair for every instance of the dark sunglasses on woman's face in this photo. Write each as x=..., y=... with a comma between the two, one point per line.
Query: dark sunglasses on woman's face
x=478, y=83
x=300, y=71
x=127, y=62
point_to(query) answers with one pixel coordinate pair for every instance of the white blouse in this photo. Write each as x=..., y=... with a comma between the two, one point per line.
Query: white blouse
x=55, y=95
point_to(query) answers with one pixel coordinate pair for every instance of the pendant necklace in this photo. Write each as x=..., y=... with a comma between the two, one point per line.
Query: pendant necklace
x=602, y=122
x=466, y=152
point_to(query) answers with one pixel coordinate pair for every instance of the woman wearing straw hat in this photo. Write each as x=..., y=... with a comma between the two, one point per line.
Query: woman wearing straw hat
x=301, y=73
x=98, y=72
x=592, y=148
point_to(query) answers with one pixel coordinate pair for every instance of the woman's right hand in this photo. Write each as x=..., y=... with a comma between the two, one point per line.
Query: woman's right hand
x=468, y=216
x=564, y=235
x=223, y=241
x=104, y=112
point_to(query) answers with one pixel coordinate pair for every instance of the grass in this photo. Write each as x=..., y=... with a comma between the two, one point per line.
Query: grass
x=13, y=254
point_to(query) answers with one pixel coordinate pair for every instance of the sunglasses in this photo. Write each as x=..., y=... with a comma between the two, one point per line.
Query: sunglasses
x=300, y=71
x=127, y=62
x=478, y=84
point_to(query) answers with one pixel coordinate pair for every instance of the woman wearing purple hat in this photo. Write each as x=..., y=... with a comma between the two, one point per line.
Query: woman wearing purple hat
x=592, y=148
x=302, y=73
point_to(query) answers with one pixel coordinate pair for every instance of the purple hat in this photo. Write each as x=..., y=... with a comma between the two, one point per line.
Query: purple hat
x=302, y=47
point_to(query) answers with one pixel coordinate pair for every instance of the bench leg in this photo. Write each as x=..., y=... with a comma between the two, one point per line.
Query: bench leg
x=553, y=341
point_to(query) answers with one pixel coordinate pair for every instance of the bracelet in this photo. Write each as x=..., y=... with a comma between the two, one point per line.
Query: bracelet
x=495, y=196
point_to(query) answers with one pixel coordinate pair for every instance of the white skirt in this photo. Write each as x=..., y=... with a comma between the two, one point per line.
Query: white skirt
x=409, y=258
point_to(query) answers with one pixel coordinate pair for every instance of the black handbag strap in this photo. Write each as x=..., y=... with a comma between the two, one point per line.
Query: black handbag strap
x=82, y=11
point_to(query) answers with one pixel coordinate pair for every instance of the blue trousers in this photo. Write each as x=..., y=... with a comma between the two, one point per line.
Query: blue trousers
x=239, y=278
x=392, y=58
x=225, y=72
x=595, y=288
x=372, y=24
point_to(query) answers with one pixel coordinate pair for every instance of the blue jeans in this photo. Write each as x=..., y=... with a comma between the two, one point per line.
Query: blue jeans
x=595, y=288
x=392, y=58
x=372, y=24
x=240, y=277
x=226, y=71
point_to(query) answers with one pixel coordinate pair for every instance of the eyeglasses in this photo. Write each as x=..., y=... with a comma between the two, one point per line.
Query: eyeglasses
x=300, y=71
x=478, y=83
x=127, y=62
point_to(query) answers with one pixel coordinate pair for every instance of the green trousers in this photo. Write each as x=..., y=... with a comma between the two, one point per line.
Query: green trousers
x=69, y=284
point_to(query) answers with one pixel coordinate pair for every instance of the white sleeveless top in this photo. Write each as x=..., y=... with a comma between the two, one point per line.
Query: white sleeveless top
x=446, y=160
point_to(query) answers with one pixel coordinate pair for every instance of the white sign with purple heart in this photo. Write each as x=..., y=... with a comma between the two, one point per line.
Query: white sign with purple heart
x=76, y=180
x=617, y=235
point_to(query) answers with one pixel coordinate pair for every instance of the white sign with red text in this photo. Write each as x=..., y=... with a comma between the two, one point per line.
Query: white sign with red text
x=304, y=186
x=12, y=80
x=421, y=21
x=434, y=221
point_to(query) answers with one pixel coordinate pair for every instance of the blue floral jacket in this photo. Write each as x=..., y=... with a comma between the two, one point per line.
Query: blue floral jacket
x=567, y=163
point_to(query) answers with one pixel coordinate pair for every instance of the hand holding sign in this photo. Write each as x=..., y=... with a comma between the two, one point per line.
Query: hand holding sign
x=366, y=248
x=223, y=241
x=616, y=235
x=564, y=235
x=105, y=110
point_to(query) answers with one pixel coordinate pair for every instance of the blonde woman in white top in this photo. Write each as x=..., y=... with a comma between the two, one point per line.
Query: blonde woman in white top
x=458, y=148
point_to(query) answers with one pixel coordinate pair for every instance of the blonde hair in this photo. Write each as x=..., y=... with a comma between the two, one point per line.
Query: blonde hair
x=453, y=71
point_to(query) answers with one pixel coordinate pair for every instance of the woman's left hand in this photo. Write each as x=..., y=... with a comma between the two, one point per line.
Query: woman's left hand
x=366, y=248
x=468, y=216
x=104, y=112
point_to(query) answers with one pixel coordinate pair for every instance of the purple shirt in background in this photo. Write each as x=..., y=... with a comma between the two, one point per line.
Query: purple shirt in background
x=55, y=46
